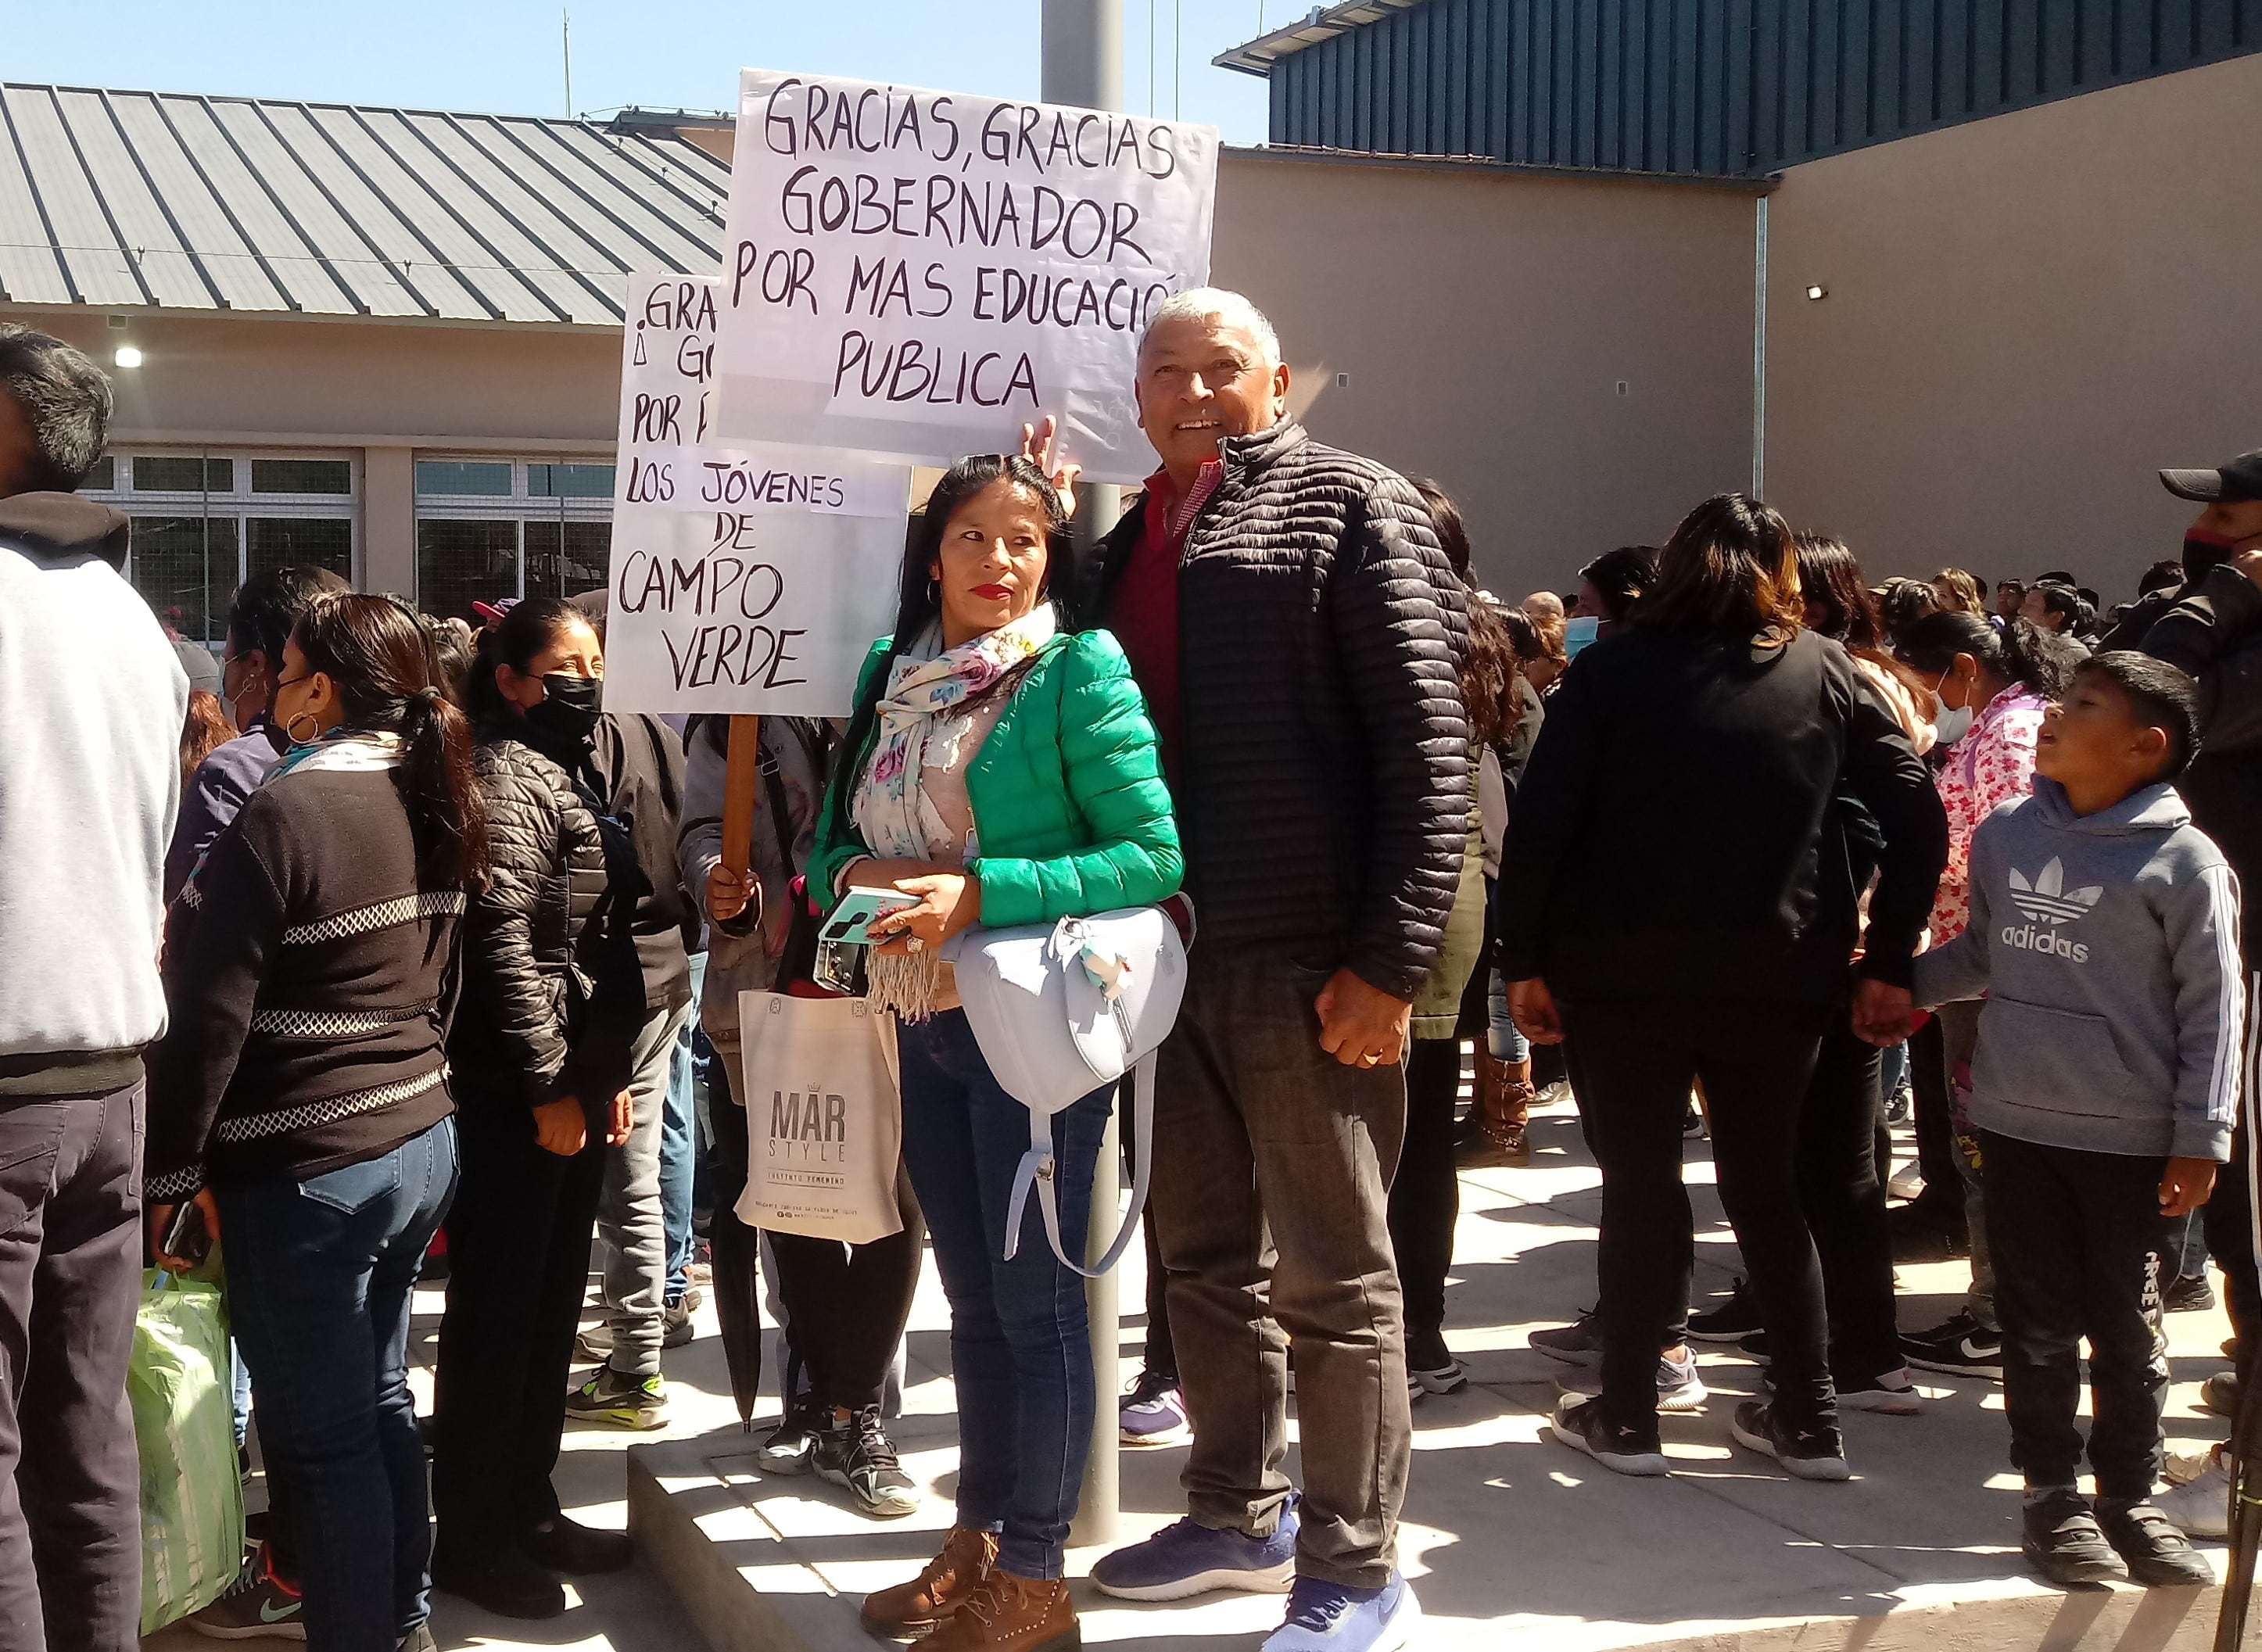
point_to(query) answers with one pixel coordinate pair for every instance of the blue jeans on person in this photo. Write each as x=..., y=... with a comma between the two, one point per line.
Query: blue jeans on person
x=1020, y=1348
x=1502, y=1037
x=679, y=1141
x=320, y=1274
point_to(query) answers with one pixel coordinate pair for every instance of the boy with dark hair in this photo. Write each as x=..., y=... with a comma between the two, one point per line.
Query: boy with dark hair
x=2105, y=933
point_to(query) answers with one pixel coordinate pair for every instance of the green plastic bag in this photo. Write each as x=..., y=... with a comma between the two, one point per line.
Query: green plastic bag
x=185, y=1426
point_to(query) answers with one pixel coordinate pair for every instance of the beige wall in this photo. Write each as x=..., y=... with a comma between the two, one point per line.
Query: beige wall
x=2027, y=318
x=1486, y=317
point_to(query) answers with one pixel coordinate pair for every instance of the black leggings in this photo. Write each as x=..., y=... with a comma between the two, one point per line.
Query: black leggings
x=1635, y=1061
x=1425, y=1195
x=846, y=1306
x=1842, y=1192
x=1935, y=1127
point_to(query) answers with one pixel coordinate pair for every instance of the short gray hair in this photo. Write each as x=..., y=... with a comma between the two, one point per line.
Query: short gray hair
x=66, y=401
x=1215, y=304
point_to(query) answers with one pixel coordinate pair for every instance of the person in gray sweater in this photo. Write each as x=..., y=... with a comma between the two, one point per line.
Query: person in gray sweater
x=2104, y=934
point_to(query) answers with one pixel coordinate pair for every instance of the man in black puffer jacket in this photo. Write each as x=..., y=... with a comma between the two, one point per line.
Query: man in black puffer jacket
x=1298, y=632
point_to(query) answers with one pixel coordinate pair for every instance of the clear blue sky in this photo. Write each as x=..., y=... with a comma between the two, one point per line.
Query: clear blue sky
x=503, y=56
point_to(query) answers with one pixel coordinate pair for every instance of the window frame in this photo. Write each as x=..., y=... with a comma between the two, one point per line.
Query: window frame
x=520, y=506
x=240, y=504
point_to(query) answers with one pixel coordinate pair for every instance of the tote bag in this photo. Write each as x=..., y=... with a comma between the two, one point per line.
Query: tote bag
x=178, y=1383
x=825, y=1125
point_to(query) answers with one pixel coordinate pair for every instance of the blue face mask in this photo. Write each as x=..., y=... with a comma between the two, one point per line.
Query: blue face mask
x=1578, y=632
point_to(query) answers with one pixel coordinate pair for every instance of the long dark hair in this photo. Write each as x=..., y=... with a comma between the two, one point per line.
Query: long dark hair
x=1729, y=571
x=2021, y=653
x=1491, y=660
x=528, y=628
x=1619, y=577
x=1830, y=579
x=376, y=653
x=918, y=603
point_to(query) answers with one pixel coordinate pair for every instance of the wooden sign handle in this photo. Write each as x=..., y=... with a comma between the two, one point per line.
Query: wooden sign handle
x=741, y=780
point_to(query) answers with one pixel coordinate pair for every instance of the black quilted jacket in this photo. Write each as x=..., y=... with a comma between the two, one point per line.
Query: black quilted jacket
x=544, y=987
x=1324, y=786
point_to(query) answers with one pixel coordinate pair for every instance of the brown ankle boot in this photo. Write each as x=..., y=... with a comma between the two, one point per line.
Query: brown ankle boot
x=1009, y=1613
x=1504, y=1097
x=908, y=1610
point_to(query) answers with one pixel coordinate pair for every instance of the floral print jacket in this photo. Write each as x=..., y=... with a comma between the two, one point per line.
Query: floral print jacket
x=1990, y=766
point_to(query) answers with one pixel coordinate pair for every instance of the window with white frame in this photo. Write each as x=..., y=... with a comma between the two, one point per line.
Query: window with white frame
x=488, y=529
x=205, y=521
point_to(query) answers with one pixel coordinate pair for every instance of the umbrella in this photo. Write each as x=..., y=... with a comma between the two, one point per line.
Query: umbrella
x=738, y=1303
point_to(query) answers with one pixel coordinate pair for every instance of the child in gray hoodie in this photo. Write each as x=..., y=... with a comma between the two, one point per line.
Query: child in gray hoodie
x=2104, y=935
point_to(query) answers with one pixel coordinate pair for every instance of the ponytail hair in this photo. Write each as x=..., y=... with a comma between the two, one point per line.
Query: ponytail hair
x=378, y=654
x=2021, y=653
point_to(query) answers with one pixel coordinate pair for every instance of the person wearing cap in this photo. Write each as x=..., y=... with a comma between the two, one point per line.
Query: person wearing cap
x=2212, y=628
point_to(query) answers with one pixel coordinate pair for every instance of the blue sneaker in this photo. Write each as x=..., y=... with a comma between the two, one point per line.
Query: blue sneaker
x=1184, y=1558
x=1324, y=1617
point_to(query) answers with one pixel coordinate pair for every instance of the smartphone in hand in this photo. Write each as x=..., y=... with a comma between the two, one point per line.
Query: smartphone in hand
x=850, y=923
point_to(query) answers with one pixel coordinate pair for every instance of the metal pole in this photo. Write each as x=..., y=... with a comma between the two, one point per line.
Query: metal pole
x=1083, y=64
x=1759, y=352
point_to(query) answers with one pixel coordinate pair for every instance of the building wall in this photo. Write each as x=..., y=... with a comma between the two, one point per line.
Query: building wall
x=385, y=389
x=1717, y=86
x=2025, y=318
x=1488, y=319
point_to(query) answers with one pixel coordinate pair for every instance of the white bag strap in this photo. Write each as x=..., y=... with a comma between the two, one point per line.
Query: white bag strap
x=1037, y=1170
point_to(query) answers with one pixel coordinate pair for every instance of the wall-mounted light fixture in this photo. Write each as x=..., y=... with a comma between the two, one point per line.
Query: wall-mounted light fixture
x=1818, y=291
x=128, y=356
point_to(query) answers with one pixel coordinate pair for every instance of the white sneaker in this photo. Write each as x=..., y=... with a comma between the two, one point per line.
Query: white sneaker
x=1907, y=1182
x=1891, y=1395
x=2200, y=1507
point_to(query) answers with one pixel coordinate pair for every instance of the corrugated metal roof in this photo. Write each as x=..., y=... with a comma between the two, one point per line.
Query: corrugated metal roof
x=181, y=202
x=1321, y=23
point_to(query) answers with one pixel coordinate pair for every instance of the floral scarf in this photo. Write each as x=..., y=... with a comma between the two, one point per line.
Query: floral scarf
x=923, y=687
x=918, y=728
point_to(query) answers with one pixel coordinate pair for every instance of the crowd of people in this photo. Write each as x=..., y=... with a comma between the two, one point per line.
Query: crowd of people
x=394, y=954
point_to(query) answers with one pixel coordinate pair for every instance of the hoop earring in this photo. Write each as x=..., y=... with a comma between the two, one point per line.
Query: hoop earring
x=291, y=728
x=934, y=594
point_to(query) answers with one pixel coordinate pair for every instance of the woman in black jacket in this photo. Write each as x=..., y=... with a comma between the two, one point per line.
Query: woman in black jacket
x=552, y=998
x=300, y=1098
x=1675, y=898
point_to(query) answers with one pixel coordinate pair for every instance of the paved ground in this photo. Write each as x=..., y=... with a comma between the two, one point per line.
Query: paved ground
x=1506, y=1531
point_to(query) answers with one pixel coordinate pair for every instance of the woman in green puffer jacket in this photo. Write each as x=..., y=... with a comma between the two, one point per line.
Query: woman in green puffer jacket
x=1003, y=770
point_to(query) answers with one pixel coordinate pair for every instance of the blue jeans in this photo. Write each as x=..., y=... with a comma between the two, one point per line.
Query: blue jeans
x=1020, y=1348
x=1502, y=1038
x=319, y=1277
x=679, y=1151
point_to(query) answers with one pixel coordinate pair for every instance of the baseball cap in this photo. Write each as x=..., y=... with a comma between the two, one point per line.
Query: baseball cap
x=2240, y=479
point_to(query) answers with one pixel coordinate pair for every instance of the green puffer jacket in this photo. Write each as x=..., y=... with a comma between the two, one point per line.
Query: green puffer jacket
x=1069, y=808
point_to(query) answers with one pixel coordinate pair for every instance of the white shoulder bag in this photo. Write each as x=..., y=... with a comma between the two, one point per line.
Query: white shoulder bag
x=1053, y=1033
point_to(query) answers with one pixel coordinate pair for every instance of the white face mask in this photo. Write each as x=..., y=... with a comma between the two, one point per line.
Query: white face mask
x=1953, y=723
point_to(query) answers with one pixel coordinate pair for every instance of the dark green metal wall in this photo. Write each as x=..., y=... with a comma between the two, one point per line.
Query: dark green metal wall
x=1720, y=87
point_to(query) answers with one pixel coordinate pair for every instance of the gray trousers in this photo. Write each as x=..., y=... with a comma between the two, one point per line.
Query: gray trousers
x=1959, y=1034
x=631, y=1228
x=1271, y=1199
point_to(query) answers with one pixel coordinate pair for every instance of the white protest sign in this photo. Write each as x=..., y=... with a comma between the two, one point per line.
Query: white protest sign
x=919, y=274
x=744, y=579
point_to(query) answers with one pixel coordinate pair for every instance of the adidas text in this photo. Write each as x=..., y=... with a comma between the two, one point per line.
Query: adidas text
x=2027, y=938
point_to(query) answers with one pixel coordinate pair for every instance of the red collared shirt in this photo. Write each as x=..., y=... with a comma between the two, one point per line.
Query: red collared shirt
x=1143, y=613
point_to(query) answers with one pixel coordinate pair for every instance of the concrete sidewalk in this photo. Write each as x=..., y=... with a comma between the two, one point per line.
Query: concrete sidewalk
x=1507, y=1533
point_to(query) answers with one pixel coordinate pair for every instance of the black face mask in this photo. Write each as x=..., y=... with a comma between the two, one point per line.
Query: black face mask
x=2203, y=553
x=569, y=707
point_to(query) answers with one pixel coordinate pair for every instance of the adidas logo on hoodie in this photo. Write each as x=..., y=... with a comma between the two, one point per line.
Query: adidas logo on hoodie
x=2047, y=903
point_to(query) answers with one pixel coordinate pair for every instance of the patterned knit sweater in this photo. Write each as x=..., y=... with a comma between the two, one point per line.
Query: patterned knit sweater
x=309, y=981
